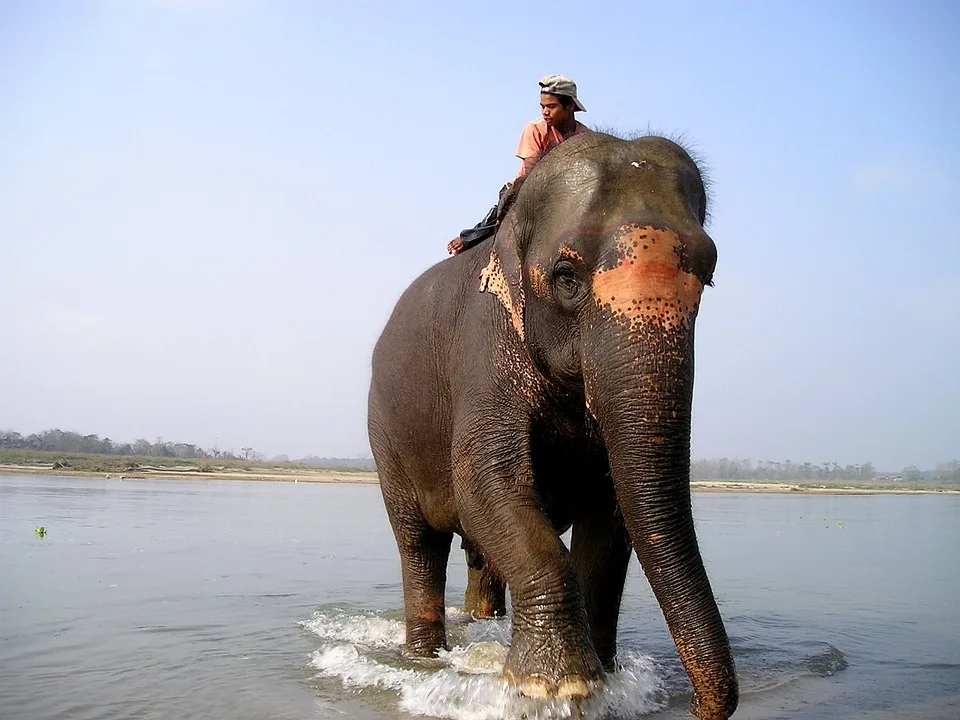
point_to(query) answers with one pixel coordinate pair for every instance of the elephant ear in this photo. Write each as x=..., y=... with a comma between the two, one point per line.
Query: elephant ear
x=503, y=275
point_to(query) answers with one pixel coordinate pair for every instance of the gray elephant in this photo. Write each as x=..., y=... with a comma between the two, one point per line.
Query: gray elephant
x=544, y=381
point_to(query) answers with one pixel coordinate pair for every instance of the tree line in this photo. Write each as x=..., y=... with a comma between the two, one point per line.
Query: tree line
x=738, y=469
x=57, y=440
x=787, y=471
x=65, y=441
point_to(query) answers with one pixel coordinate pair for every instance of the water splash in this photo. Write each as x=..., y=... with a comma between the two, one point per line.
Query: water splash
x=357, y=628
x=355, y=669
x=829, y=661
x=363, y=650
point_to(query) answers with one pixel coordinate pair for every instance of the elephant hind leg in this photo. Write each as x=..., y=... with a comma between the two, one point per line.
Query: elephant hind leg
x=423, y=556
x=423, y=550
x=486, y=595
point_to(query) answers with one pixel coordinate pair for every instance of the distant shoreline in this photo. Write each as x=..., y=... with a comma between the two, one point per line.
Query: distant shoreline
x=324, y=475
x=753, y=486
x=355, y=477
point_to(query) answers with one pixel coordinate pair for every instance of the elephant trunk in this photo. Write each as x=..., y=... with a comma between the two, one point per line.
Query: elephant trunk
x=640, y=391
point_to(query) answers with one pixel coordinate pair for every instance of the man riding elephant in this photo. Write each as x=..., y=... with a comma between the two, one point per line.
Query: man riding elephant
x=558, y=105
x=546, y=383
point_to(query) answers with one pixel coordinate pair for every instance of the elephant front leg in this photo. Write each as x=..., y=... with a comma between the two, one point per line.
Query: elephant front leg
x=423, y=559
x=551, y=653
x=600, y=548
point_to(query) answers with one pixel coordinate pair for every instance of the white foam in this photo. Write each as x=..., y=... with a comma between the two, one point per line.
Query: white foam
x=457, y=614
x=356, y=670
x=489, y=630
x=447, y=694
x=363, y=629
x=464, y=683
x=478, y=658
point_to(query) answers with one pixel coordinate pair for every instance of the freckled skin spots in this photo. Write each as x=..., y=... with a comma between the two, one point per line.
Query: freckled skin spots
x=538, y=280
x=493, y=281
x=523, y=379
x=568, y=252
x=515, y=365
x=647, y=285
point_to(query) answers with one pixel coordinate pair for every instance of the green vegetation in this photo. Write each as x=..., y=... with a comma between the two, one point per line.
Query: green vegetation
x=72, y=442
x=71, y=451
x=946, y=476
x=65, y=450
x=131, y=464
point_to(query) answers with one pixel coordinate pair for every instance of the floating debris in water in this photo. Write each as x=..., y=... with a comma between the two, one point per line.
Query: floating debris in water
x=41, y=531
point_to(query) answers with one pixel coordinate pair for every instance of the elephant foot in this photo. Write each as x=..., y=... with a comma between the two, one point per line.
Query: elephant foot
x=549, y=668
x=423, y=652
x=485, y=611
x=426, y=633
x=570, y=687
x=485, y=596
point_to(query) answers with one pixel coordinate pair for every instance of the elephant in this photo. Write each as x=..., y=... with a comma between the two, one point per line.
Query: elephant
x=486, y=593
x=485, y=596
x=543, y=381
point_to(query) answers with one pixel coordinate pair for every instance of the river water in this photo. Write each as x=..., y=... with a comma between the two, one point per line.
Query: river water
x=160, y=599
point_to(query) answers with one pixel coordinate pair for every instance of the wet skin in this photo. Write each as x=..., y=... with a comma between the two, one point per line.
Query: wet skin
x=544, y=381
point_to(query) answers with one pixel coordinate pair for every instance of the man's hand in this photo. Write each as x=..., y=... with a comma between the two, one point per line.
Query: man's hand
x=455, y=246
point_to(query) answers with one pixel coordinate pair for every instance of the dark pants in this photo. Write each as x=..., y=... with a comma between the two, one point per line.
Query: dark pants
x=491, y=221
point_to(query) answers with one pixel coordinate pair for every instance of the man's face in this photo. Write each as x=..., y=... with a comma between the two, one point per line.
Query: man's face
x=553, y=112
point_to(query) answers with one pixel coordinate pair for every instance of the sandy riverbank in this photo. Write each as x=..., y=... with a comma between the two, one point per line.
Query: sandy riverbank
x=774, y=487
x=262, y=475
x=370, y=478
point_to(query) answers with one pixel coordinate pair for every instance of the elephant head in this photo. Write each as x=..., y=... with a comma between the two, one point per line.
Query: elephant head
x=601, y=263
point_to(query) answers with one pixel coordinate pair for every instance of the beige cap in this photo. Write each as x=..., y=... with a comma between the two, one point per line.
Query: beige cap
x=561, y=85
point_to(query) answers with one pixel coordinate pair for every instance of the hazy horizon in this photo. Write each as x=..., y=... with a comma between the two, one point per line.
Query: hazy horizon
x=209, y=207
x=251, y=453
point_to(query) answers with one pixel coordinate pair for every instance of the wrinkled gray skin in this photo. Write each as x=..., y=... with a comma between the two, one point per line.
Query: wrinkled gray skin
x=559, y=396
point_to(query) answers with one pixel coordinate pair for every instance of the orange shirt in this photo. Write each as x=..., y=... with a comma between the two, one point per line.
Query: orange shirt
x=538, y=137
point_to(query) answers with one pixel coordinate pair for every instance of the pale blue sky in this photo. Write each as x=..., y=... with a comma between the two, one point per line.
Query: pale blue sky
x=209, y=207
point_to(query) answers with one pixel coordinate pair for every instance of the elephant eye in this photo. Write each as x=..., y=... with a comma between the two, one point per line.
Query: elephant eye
x=566, y=281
